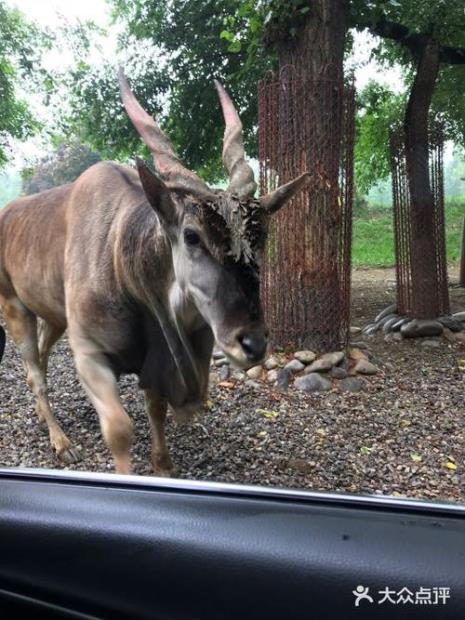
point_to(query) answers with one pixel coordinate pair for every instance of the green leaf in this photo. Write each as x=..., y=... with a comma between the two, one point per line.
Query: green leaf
x=225, y=34
x=235, y=47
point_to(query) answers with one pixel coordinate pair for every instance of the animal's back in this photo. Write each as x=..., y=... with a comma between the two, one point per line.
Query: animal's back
x=32, y=241
x=35, y=231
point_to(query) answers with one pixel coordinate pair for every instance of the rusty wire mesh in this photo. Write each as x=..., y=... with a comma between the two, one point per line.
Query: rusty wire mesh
x=422, y=286
x=308, y=126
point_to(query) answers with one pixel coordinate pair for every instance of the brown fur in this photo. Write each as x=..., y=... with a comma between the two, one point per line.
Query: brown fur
x=88, y=256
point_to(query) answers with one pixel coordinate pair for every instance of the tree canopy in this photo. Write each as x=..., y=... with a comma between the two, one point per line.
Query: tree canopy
x=61, y=166
x=20, y=44
x=174, y=49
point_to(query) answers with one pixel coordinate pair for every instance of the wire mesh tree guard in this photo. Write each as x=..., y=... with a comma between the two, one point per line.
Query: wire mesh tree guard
x=308, y=126
x=417, y=295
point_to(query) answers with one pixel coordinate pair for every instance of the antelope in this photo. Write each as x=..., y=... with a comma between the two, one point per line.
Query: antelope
x=145, y=271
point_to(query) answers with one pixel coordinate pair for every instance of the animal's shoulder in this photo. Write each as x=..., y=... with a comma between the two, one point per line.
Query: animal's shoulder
x=110, y=172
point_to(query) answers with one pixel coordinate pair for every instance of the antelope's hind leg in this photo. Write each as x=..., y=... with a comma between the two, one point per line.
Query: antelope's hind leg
x=22, y=325
x=48, y=334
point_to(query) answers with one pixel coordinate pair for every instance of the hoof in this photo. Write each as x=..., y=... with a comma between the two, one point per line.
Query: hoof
x=163, y=473
x=69, y=455
x=163, y=466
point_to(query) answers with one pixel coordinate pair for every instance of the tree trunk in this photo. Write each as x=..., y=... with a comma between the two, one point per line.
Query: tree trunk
x=312, y=142
x=426, y=298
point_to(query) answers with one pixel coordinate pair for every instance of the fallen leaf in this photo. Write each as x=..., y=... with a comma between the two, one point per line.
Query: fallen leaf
x=226, y=384
x=416, y=457
x=451, y=466
x=268, y=413
x=365, y=450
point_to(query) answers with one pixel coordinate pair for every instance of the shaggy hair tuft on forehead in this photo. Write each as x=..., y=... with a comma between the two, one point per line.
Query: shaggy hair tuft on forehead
x=236, y=227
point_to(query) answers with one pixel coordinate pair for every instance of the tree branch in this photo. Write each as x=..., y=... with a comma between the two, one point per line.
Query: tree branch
x=414, y=42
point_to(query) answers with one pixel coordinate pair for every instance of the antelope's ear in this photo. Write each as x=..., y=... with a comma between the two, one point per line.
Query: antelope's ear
x=158, y=195
x=277, y=198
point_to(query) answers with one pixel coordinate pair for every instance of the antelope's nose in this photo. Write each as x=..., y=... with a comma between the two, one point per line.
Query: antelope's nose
x=254, y=346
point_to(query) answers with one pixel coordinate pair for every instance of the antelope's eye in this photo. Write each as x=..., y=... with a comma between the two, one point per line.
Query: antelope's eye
x=191, y=237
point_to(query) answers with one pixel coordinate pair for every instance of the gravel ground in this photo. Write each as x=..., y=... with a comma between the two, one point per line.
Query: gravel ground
x=404, y=434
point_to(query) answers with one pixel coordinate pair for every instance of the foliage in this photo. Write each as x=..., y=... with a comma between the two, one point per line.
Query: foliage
x=173, y=51
x=20, y=45
x=404, y=26
x=62, y=166
x=10, y=187
x=378, y=109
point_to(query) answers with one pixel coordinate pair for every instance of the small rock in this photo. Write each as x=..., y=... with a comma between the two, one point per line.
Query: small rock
x=294, y=366
x=283, y=379
x=398, y=324
x=388, y=325
x=359, y=344
x=364, y=367
x=271, y=363
x=221, y=361
x=392, y=309
x=353, y=329
x=393, y=337
x=449, y=335
x=252, y=384
x=433, y=344
x=313, y=382
x=460, y=337
x=338, y=373
x=238, y=375
x=218, y=354
x=326, y=362
x=451, y=323
x=306, y=357
x=351, y=384
x=459, y=316
x=357, y=354
x=255, y=372
x=272, y=375
x=389, y=317
x=224, y=372
x=423, y=327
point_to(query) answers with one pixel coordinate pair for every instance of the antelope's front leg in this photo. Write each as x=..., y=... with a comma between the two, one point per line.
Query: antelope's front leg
x=156, y=410
x=100, y=384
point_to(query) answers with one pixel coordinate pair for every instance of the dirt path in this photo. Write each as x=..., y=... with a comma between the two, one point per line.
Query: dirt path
x=404, y=434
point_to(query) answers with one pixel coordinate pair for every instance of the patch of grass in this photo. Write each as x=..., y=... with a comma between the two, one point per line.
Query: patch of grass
x=373, y=242
x=373, y=236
